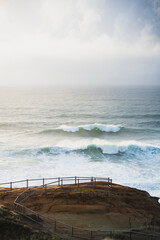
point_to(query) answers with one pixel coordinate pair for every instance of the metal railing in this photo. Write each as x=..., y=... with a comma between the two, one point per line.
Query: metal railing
x=27, y=183
x=54, y=225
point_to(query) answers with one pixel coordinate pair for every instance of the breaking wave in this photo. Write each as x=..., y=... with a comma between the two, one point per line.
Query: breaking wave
x=96, y=127
x=131, y=148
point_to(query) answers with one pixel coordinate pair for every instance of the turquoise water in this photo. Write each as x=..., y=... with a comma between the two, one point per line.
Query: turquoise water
x=109, y=132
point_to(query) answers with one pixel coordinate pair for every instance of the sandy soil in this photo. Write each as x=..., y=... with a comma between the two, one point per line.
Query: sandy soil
x=103, y=207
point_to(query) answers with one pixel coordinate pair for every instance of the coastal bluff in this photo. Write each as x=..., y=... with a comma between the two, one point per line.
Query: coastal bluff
x=101, y=207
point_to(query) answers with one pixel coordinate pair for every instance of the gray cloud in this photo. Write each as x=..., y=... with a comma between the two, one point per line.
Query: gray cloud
x=79, y=42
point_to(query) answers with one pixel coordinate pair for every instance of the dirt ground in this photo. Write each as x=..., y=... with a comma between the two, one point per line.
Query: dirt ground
x=102, y=207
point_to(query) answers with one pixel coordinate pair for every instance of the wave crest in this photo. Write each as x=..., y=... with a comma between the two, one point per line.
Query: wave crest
x=91, y=127
x=123, y=149
x=130, y=148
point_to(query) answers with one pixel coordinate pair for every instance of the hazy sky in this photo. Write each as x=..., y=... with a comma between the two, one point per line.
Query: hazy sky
x=79, y=42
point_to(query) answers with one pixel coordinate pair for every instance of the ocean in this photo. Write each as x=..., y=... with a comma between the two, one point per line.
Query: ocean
x=81, y=131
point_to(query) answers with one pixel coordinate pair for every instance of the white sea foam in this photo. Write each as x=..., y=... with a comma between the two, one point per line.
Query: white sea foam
x=52, y=161
x=90, y=145
x=108, y=147
x=73, y=164
x=90, y=127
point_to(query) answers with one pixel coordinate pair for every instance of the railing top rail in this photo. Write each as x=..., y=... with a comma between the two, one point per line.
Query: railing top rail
x=38, y=179
x=21, y=195
x=77, y=178
x=19, y=181
x=5, y=183
x=51, y=183
x=145, y=234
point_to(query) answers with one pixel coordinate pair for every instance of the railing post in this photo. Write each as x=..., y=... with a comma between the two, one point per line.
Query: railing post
x=95, y=182
x=72, y=231
x=91, y=236
x=10, y=185
x=111, y=182
x=27, y=183
x=75, y=180
x=91, y=179
x=58, y=181
x=130, y=235
x=43, y=182
x=61, y=183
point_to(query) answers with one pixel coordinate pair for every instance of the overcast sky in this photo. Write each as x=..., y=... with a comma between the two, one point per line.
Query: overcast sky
x=90, y=42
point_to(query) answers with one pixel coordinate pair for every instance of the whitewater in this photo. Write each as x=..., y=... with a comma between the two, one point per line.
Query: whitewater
x=108, y=132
